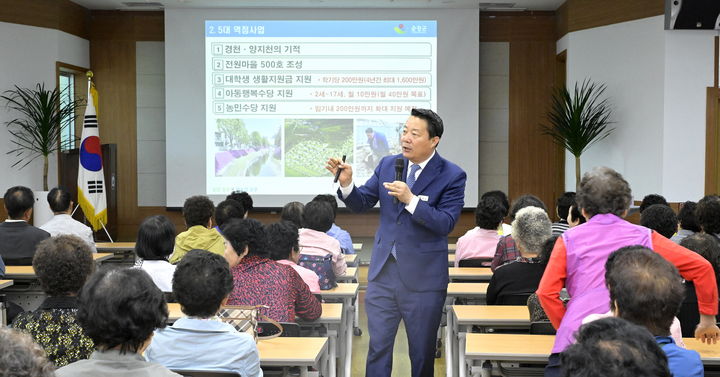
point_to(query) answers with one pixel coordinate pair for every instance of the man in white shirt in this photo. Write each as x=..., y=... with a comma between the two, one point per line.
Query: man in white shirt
x=62, y=222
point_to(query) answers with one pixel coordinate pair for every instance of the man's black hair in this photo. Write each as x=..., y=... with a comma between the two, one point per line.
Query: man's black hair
x=63, y=264
x=282, y=239
x=244, y=198
x=614, y=347
x=198, y=210
x=318, y=215
x=18, y=199
x=121, y=307
x=660, y=218
x=369, y=130
x=330, y=199
x=563, y=204
x=201, y=282
x=156, y=238
x=687, y=218
x=705, y=245
x=708, y=214
x=293, y=212
x=434, y=122
x=246, y=232
x=59, y=199
x=644, y=288
x=526, y=200
x=489, y=213
x=652, y=199
x=228, y=209
x=500, y=196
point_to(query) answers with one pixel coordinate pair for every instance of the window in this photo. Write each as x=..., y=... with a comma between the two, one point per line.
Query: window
x=67, y=94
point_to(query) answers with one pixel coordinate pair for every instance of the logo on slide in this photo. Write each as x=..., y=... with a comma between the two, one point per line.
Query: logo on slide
x=400, y=29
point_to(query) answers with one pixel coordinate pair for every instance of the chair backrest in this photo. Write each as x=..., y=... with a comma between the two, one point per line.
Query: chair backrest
x=513, y=299
x=205, y=373
x=267, y=329
x=542, y=328
x=475, y=262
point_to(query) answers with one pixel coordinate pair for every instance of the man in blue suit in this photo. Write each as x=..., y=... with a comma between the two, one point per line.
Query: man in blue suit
x=408, y=274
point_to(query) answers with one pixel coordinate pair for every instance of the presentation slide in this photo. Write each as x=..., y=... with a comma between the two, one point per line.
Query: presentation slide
x=281, y=97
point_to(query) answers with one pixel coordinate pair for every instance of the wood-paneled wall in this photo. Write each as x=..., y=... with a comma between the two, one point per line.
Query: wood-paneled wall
x=536, y=163
x=576, y=15
x=53, y=14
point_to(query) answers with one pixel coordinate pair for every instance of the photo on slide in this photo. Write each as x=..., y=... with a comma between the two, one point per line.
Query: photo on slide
x=375, y=139
x=248, y=148
x=310, y=142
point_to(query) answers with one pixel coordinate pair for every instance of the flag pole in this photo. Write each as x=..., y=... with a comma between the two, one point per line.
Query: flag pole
x=106, y=232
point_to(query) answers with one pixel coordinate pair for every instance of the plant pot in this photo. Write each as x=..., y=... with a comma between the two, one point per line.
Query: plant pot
x=41, y=209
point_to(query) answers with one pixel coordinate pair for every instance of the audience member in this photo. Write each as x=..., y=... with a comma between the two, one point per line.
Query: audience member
x=259, y=280
x=63, y=223
x=708, y=215
x=119, y=310
x=562, y=209
x=521, y=277
x=578, y=260
x=537, y=314
x=575, y=218
x=480, y=242
x=707, y=247
x=222, y=348
x=614, y=347
x=317, y=219
x=155, y=242
x=346, y=244
x=293, y=212
x=660, y=218
x=647, y=290
x=21, y=357
x=62, y=265
x=284, y=248
x=198, y=212
x=506, y=250
x=244, y=198
x=226, y=210
x=688, y=224
x=503, y=229
x=18, y=239
x=652, y=199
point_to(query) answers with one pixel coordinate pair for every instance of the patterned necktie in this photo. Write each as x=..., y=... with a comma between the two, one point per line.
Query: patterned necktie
x=413, y=172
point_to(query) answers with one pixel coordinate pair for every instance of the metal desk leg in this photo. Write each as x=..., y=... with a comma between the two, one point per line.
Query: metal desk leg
x=461, y=355
x=333, y=344
x=449, y=342
x=349, y=337
x=304, y=371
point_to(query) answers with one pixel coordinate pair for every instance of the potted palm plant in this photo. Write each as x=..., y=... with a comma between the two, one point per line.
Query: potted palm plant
x=41, y=119
x=579, y=120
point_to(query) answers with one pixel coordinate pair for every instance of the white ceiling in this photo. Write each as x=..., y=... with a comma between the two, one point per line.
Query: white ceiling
x=472, y=4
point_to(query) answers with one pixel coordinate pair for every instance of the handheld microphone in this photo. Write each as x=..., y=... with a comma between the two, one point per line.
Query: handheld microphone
x=399, y=167
x=337, y=173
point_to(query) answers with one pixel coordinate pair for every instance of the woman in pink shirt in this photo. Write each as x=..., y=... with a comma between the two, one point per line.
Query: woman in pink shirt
x=317, y=219
x=481, y=241
x=283, y=247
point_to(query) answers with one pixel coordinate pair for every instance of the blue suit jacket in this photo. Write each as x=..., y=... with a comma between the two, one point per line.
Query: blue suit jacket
x=420, y=238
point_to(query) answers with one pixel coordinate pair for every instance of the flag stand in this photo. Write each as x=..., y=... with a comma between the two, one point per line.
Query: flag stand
x=101, y=223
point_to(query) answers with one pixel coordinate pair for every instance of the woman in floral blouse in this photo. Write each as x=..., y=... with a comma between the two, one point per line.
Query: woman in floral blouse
x=62, y=265
x=259, y=280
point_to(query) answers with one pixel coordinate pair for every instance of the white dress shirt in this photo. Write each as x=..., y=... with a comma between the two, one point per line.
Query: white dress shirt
x=410, y=207
x=161, y=272
x=65, y=224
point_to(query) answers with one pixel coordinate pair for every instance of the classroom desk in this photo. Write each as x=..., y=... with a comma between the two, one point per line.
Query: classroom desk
x=5, y=283
x=451, y=260
x=100, y=257
x=20, y=272
x=461, y=318
x=115, y=246
x=350, y=274
x=467, y=290
x=289, y=351
x=452, y=247
x=347, y=292
x=351, y=258
x=470, y=273
x=536, y=348
x=357, y=246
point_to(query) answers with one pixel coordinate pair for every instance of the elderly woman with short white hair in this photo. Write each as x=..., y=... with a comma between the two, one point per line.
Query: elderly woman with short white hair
x=512, y=283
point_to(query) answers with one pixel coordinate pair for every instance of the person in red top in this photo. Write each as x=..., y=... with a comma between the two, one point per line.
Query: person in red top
x=578, y=260
x=259, y=280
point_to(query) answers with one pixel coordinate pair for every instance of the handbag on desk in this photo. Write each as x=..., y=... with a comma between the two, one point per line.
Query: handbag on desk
x=244, y=318
x=322, y=266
